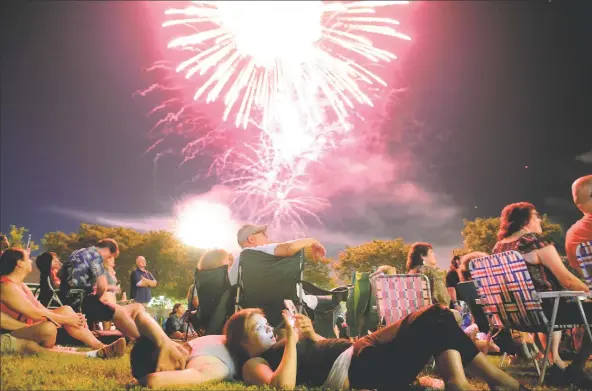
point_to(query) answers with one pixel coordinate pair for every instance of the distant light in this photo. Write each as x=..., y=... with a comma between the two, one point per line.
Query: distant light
x=160, y=297
x=525, y=166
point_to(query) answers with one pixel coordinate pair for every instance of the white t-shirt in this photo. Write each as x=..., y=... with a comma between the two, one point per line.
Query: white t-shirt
x=233, y=271
x=213, y=345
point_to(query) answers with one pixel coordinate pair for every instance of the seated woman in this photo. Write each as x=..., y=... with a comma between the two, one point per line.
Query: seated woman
x=520, y=230
x=12, y=345
x=48, y=264
x=175, y=324
x=422, y=260
x=390, y=358
x=113, y=288
x=17, y=301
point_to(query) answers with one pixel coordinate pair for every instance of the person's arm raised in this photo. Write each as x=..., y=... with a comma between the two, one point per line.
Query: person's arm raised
x=287, y=249
x=306, y=329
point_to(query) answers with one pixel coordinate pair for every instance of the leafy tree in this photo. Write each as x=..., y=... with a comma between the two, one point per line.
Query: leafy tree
x=372, y=254
x=17, y=236
x=168, y=259
x=171, y=262
x=481, y=234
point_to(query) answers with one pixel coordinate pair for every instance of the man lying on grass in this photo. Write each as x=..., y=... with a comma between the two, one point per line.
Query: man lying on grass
x=157, y=361
x=12, y=345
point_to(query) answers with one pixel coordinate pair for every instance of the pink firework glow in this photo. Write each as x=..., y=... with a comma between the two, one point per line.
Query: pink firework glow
x=253, y=51
x=293, y=75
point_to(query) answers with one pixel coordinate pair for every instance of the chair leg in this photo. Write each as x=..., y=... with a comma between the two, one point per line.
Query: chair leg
x=549, y=341
x=584, y=319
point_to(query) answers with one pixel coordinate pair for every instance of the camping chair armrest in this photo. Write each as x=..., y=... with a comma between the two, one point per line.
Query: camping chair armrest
x=547, y=295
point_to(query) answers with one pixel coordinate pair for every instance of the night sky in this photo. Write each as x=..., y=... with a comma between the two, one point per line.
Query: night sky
x=496, y=86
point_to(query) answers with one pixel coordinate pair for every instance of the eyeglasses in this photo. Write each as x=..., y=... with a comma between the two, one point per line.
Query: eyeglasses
x=261, y=232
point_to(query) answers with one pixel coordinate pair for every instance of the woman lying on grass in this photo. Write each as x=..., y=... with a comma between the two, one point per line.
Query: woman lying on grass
x=390, y=358
x=158, y=362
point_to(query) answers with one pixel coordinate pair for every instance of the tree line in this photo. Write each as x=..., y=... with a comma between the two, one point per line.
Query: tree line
x=173, y=263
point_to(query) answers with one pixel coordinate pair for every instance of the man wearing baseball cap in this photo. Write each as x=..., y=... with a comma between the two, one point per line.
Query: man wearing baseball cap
x=254, y=237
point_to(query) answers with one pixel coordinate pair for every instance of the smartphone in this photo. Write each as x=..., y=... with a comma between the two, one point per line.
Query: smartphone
x=291, y=310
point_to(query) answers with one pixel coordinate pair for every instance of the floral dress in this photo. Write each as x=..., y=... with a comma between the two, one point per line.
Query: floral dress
x=542, y=278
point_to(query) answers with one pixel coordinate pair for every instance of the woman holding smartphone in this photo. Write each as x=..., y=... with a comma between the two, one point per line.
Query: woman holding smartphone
x=390, y=358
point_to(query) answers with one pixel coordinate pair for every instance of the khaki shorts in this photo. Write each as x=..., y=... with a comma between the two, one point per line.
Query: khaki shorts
x=7, y=344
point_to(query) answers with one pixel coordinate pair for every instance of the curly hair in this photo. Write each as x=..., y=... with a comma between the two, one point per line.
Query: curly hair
x=416, y=252
x=514, y=217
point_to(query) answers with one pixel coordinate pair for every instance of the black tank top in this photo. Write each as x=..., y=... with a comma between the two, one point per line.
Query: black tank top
x=314, y=359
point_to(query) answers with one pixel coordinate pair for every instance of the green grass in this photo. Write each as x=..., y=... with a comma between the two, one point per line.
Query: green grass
x=75, y=373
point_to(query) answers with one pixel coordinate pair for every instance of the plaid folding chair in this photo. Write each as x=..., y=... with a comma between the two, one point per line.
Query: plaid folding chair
x=509, y=299
x=584, y=256
x=399, y=295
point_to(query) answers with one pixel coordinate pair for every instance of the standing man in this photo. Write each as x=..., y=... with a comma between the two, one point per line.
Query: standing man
x=142, y=282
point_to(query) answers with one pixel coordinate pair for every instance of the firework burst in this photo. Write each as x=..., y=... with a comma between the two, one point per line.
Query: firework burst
x=297, y=72
x=253, y=51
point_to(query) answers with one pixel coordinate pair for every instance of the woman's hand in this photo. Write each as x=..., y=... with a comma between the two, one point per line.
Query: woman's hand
x=76, y=320
x=291, y=334
x=304, y=326
x=171, y=357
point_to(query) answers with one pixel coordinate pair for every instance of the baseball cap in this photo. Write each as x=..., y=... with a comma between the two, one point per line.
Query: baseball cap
x=247, y=230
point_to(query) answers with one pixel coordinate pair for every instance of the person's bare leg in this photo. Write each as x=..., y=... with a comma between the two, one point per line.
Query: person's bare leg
x=116, y=349
x=83, y=334
x=451, y=368
x=43, y=333
x=495, y=377
x=124, y=319
x=555, y=341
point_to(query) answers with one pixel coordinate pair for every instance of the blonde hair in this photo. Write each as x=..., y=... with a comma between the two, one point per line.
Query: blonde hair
x=213, y=259
x=387, y=270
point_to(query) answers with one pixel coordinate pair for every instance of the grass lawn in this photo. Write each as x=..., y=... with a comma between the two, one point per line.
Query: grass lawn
x=75, y=373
